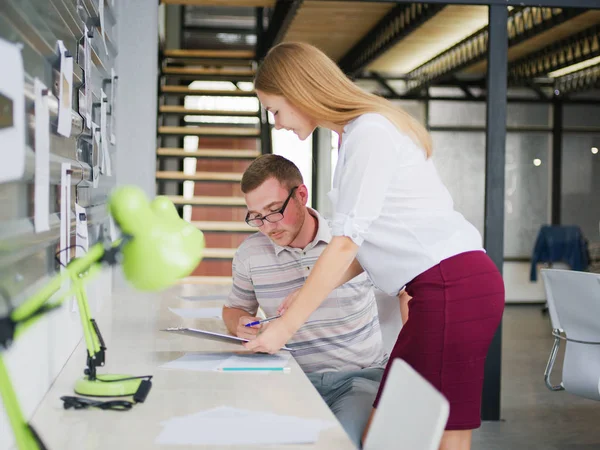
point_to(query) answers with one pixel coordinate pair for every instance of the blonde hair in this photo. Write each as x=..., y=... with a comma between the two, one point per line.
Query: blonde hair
x=313, y=83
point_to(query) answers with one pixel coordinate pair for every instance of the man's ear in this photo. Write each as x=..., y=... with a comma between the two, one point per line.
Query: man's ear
x=302, y=194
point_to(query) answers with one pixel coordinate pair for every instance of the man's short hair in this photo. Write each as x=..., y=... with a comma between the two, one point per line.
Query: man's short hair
x=271, y=166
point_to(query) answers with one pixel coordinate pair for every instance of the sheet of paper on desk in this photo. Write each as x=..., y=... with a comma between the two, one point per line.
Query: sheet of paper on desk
x=207, y=362
x=213, y=427
x=210, y=335
x=198, y=313
x=202, y=298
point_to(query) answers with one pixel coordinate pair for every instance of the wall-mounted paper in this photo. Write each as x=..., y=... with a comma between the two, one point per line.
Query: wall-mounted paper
x=81, y=230
x=65, y=212
x=102, y=30
x=113, y=94
x=12, y=112
x=87, y=68
x=65, y=90
x=96, y=156
x=106, y=162
x=41, y=215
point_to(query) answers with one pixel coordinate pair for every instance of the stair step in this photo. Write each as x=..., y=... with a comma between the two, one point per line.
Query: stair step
x=183, y=90
x=212, y=153
x=210, y=131
x=230, y=227
x=233, y=54
x=206, y=280
x=199, y=176
x=208, y=201
x=219, y=253
x=182, y=110
x=208, y=71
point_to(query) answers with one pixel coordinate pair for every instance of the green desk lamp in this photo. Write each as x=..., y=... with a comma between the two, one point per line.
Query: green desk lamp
x=157, y=249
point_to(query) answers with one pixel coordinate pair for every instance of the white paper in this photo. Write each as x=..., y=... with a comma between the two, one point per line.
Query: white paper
x=102, y=31
x=208, y=362
x=213, y=427
x=12, y=88
x=113, y=90
x=96, y=155
x=87, y=68
x=41, y=214
x=105, y=165
x=198, y=313
x=65, y=222
x=65, y=90
x=81, y=230
x=201, y=298
x=112, y=229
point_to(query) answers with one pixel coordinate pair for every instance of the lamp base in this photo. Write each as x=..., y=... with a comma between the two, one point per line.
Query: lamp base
x=107, y=385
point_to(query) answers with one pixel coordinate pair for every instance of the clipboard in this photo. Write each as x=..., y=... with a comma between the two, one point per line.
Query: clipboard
x=211, y=336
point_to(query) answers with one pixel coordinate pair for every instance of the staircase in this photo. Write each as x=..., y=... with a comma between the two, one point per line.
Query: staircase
x=210, y=129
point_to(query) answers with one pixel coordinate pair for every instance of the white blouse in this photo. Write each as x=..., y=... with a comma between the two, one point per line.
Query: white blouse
x=389, y=199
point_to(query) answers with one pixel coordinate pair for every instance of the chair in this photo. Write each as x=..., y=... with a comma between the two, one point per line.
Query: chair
x=574, y=306
x=411, y=414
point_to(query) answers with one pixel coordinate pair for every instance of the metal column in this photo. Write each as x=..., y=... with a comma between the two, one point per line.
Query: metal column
x=494, y=187
x=557, y=137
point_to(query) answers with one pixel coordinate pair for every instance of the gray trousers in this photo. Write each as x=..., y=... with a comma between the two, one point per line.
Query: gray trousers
x=350, y=396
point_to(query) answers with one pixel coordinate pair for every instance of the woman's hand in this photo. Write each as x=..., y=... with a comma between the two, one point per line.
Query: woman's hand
x=287, y=302
x=271, y=339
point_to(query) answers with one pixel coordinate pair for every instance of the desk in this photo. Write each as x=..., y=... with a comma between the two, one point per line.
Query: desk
x=136, y=347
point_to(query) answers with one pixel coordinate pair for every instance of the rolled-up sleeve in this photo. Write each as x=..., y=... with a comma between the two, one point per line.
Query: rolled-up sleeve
x=242, y=295
x=370, y=163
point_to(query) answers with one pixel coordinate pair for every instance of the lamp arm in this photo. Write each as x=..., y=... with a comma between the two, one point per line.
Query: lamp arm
x=25, y=436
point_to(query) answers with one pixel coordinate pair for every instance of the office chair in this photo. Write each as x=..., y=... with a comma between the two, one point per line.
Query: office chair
x=411, y=414
x=574, y=307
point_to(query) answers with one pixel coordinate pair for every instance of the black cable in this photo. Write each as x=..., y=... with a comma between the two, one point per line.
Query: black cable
x=84, y=403
x=146, y=377
x=56, y=255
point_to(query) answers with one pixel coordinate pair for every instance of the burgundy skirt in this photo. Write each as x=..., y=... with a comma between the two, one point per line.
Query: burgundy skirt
x=454, y=312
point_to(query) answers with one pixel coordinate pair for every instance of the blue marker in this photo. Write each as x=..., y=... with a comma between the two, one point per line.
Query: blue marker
x=258, y=322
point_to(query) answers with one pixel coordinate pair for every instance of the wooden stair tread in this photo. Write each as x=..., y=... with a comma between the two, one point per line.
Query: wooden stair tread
x=211, y=153
x=206, y=280
x=210, y=131
x=207, y=71
x=168, y=89
x=223, y=226
x=185, y=53
x=175, y=109
x=208, y=200
x=198, y=176
x=219, y=253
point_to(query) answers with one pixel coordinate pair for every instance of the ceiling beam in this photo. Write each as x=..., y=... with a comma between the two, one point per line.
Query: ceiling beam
x=558, y=55
x=583, y=80
x=280, y=21
x=523, y=23
x=384, y=83
x=586, y=4
x=391, y=29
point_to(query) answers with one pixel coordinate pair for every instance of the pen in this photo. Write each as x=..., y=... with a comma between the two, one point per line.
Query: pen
x=258, y=322
x=255, y=369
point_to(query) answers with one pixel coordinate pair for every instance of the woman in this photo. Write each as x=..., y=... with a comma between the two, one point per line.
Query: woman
x=395, y=219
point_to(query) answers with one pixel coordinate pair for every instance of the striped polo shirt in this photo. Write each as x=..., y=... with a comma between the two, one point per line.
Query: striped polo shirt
x=342, y=334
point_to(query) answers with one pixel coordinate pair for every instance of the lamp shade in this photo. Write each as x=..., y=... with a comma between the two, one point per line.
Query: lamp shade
x=163, y=248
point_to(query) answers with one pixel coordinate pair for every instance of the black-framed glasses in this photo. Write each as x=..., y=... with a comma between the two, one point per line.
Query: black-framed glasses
x=271, y=218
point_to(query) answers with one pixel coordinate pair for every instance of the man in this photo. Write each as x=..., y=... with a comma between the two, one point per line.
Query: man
x=340, y=346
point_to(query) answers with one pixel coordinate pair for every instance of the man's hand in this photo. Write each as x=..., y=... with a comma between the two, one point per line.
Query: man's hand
x=245, y=332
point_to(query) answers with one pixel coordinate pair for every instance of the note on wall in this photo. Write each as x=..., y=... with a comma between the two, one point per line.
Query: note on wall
x=113, y=94
x=87, y=69
x=65, y=90
x=12, y=112
x=41, y=215
x=106, y=163
x=102, y=30
x=65, y=212
x=95, y=154
x=81, y=231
